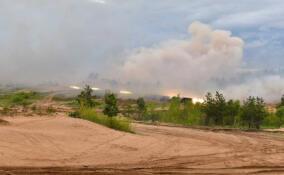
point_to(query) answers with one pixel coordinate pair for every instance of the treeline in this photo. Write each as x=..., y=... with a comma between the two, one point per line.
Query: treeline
x=215, y=111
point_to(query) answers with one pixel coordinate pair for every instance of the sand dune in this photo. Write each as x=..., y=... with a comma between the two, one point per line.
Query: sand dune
x=63, y=145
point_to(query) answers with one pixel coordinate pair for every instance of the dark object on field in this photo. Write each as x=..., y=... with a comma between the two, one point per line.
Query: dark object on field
x=185, y=100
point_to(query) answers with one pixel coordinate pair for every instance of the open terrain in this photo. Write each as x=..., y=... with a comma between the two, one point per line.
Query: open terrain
x=59, y=144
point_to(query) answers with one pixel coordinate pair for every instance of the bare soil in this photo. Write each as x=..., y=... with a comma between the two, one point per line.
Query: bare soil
x=62, y=145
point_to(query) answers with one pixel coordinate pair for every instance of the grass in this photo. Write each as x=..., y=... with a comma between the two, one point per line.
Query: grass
x=19, y=98
x=50, y=110
x=116, y=123
x=269, y=127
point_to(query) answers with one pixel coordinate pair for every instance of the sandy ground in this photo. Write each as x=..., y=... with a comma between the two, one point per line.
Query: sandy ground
x=63, y=145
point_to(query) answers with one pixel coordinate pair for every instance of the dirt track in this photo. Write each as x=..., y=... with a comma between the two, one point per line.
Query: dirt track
x=62, y=145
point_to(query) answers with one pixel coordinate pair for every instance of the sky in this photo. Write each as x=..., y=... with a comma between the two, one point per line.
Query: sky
x=77, y=41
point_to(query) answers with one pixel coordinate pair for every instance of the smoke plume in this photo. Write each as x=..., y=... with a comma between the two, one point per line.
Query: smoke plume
x=210, y=60
x=190, y=67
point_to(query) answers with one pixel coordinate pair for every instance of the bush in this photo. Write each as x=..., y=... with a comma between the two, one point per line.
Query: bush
x=141, y=107
x=33, y=108
x=85, y=98
x=5, y=110
x=50, y=109
x=271, y=121
x=111, y=122
x=110, y=108
x=280, y=115
x=23, y=98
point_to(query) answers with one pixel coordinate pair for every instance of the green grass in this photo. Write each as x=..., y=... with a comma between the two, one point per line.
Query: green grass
x=269, y=127
x=116, y=123
x=19, y=98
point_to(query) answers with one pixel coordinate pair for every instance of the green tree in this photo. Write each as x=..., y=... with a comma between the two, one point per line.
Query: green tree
x=208, y=108
x=141, y=107
x=280, y=114
x=232, y=110
x=214, y=108
x=253, y=112
x=85, y=98
x=282, y=101
x=174, y=113
x=220, y=111
x=110, y=108
x=193, y=114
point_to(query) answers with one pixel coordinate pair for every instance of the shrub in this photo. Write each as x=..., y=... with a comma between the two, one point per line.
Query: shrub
x=280, y=114
x=85, y=98
x=33, y=108
x=111, y=122
x=5, y=110
x=271, y=121
x=24, y=98
x=50, y=109
x=141, y=107
x=110, y=108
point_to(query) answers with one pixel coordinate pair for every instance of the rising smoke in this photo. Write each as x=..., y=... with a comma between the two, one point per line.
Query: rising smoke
x=190, y=67
x=210, y=60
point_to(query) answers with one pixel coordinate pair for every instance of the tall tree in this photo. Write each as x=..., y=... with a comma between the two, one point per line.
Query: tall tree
x=220, y=104
x=141, y=106
x=110, y=108
x=208, y=107
x=232, y=110
x=280, y=115
x=282, y=101
x=85, y=97
x=253, y=112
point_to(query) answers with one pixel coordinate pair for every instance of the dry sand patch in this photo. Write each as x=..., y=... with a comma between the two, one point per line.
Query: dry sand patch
x=67, y=145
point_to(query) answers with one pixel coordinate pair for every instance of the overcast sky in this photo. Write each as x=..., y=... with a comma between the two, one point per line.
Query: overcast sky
x=65, y=40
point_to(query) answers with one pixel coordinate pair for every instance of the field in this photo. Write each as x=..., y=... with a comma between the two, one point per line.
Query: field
x=63, y=145
x=46, y=140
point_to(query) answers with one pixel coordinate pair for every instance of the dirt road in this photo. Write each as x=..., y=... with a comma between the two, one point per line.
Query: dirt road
x=63, y=145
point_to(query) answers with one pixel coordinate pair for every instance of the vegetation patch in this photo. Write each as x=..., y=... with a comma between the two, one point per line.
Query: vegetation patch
x=50, y=110
x=121, y=124
x=109, y=118
x=215, y=112
x=19, y=98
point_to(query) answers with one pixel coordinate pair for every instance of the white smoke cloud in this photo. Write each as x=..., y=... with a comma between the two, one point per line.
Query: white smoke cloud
x=185, y=66
x=210, y=60
x=269, y=87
